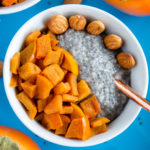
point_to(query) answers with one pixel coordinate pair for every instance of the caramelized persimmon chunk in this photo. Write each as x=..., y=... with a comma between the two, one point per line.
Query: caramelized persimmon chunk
x=72, y=80
x=44, y=87
x=69, y=98
x=43, y=46
x=69, y=63
x=98, y=130
x=62, y=130
x=29, y=88
x=99, y=122
x=28, y=54
x=8, y=2
x=15, y=63
x=91, y=107
x=27, y=70
x=54, y=106
x=79, y=128
x=83, y=89
x=14, y=81
x=52, y=121
x=32, y=37
x=62, y=88
x=53, y=57
x=54, y=73
x=67, y=110
x=41, y=103
x=28, y=103
x=77, y=112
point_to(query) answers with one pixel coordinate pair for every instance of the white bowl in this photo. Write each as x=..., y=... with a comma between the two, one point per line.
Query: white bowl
x=139, y=74
x=18, y=7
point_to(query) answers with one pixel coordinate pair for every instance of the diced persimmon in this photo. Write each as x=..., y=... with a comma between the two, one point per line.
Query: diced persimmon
x=28, y=54
x=51, y=35
x=98, y=130
x=8, y=2
x=44, y=87
x=39, y=117
x=72, y=79
x=41, y=103
x=62, y=130
x=69, y=62
x=54, y=106
x=54, y=43
x=65, y=71
x=69, y=98
x=91, y=107
x=52, y=57
x=28, y=69
x=14, y=81
x=62, y=88
x=15, y=63
x=43, y=46
x=32, y=37
x=29, y=88
x=77, y=112
x=79, y=128
x=28, y=103
x=67, y=110
x=99, y=122
x=52, y=121
x=54, y=73
x=83, y=89
x=61, y=59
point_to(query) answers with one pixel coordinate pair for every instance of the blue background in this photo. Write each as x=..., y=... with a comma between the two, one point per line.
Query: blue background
x=137, y=135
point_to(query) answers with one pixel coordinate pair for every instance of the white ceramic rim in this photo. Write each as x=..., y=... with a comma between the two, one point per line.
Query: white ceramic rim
x=50, y=136
x=18, y=7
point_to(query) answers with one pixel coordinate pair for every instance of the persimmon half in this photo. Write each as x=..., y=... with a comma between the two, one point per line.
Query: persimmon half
x=15, y=140
x=133, y=7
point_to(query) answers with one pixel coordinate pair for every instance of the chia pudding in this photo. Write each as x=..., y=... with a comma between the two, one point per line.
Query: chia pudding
x=97, y=66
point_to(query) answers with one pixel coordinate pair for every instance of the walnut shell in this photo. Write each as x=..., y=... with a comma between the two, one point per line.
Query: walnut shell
x=58, y=24
x=95, y=27
x=113, y=42
x=77, y=22
x=72, y=1
x=126, y=60
x=1, y=68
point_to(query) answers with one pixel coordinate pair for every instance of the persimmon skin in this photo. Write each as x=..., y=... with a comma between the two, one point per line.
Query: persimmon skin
x=22, y=140
x=133, y=7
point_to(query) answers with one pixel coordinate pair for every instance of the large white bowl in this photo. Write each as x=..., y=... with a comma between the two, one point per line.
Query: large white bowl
x=18, y=7
x=139, y=74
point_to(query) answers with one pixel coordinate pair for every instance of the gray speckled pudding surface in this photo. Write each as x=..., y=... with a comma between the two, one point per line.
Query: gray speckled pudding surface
x=97, y=66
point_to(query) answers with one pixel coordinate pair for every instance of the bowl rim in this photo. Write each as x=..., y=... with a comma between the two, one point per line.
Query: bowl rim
x=18, y=7
x=71, y=144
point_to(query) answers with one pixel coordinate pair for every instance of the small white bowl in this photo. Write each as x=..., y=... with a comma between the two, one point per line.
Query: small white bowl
x=139, y=74
x=18, y=7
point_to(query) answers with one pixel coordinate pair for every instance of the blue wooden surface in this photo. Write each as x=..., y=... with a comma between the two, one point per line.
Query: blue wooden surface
x=137, y=135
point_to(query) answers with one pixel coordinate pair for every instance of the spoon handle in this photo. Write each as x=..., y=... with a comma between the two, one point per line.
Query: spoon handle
x=133, y=95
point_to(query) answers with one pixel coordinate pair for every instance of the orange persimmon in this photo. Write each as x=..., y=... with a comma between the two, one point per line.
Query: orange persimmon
x=8, y=2
x=69, y=98
x=43, y=46
x=22, y=141
x=54, y=43
x=54, y=106
x=133, y=7
x=67, y=110
x=62, y=130
x=72, y=80
x=14, y=80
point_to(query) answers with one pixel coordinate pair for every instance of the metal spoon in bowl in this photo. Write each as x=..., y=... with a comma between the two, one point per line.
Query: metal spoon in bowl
x=131, y=94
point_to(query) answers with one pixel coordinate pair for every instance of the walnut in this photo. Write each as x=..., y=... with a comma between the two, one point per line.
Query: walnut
x=112, y=42
x=126, y=60
x=77, y=22
x=95, y=27
x=58, y=24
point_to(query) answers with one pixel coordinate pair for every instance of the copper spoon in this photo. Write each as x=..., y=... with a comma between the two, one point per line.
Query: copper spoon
x=131, y=94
